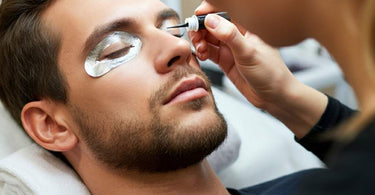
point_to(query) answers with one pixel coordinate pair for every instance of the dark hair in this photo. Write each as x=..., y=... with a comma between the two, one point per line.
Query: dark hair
x=28, y=56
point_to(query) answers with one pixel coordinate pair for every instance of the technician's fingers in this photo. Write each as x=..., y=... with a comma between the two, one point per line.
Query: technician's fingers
x=197, y=38
x=204, y=49
x=201, y=46
x=229, y=34
x=212, y=39
x=203, y=35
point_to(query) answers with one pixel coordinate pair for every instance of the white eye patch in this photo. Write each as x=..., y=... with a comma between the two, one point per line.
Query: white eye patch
x=113, y=51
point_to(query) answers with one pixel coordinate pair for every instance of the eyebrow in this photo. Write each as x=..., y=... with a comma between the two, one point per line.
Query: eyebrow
x=124, y=23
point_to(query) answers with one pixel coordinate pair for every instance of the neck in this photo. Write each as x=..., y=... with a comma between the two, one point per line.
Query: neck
x=196, y=179
x=337, y=26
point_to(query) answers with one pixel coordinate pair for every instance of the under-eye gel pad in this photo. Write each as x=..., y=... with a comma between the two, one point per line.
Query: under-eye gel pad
x=99, y=61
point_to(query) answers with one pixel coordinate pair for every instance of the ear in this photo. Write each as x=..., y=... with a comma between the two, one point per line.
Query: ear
x=46, y=123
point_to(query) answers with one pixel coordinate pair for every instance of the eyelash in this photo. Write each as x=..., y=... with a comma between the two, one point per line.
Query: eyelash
x=118, y=53
x=180, y=35
x=121, y=52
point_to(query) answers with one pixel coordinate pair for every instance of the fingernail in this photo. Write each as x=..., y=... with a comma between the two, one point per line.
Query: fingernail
x=199, y=48
x=192, y=37
x=198, y=8
x=212, y=21
x=199, y=55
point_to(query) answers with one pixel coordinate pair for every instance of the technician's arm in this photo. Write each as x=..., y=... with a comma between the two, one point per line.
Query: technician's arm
x=334, y=114
x=258, y=71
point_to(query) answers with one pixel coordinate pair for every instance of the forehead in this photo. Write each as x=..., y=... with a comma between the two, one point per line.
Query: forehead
x=86, y=14
x=74, y=20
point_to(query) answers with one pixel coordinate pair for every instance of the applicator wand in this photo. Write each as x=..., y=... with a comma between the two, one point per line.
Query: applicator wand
x=196, y=23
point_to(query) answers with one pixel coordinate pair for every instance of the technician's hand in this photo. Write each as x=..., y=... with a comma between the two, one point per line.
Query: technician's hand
x=258, y=71
x=255, y=68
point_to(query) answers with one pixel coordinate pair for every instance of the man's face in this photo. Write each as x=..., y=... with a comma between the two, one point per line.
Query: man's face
x=152, y=113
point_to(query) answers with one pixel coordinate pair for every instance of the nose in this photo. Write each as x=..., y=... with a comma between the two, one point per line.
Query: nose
x=169, y=51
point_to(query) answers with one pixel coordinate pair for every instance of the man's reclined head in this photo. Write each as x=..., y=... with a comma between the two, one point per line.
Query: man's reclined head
x=107, y=85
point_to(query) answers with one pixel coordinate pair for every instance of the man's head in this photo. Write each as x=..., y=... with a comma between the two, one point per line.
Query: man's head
x=28, y=57
x=152, y=112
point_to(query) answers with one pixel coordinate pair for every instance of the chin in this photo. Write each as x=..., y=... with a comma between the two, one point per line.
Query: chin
x=205, y=117
x=192, y=112
x=177, y=136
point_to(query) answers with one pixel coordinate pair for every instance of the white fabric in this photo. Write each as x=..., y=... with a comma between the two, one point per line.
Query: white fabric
x=34, y=170
x=227, y=153
x=268, y=149
x=12, y=137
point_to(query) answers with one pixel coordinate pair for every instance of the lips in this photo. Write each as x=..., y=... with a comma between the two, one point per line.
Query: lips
x=188, y=89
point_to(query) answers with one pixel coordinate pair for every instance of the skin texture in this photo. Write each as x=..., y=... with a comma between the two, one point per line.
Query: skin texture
x=119, y=131
x=243, y=56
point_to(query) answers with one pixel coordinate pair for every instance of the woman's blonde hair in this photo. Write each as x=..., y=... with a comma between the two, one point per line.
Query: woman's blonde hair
x=369, y=30
x=349, y=129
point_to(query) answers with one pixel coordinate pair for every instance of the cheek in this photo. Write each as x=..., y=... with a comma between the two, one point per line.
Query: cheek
x=123, y=91
x=130, y=89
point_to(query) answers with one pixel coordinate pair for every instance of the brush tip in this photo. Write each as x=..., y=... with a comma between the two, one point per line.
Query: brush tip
x=179, y=26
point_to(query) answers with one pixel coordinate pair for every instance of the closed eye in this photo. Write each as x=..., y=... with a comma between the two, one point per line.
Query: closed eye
x=180, y=35
x=117, y=54
x=177, y=32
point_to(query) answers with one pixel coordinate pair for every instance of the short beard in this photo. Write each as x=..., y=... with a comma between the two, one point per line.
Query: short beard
x=158, y=146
